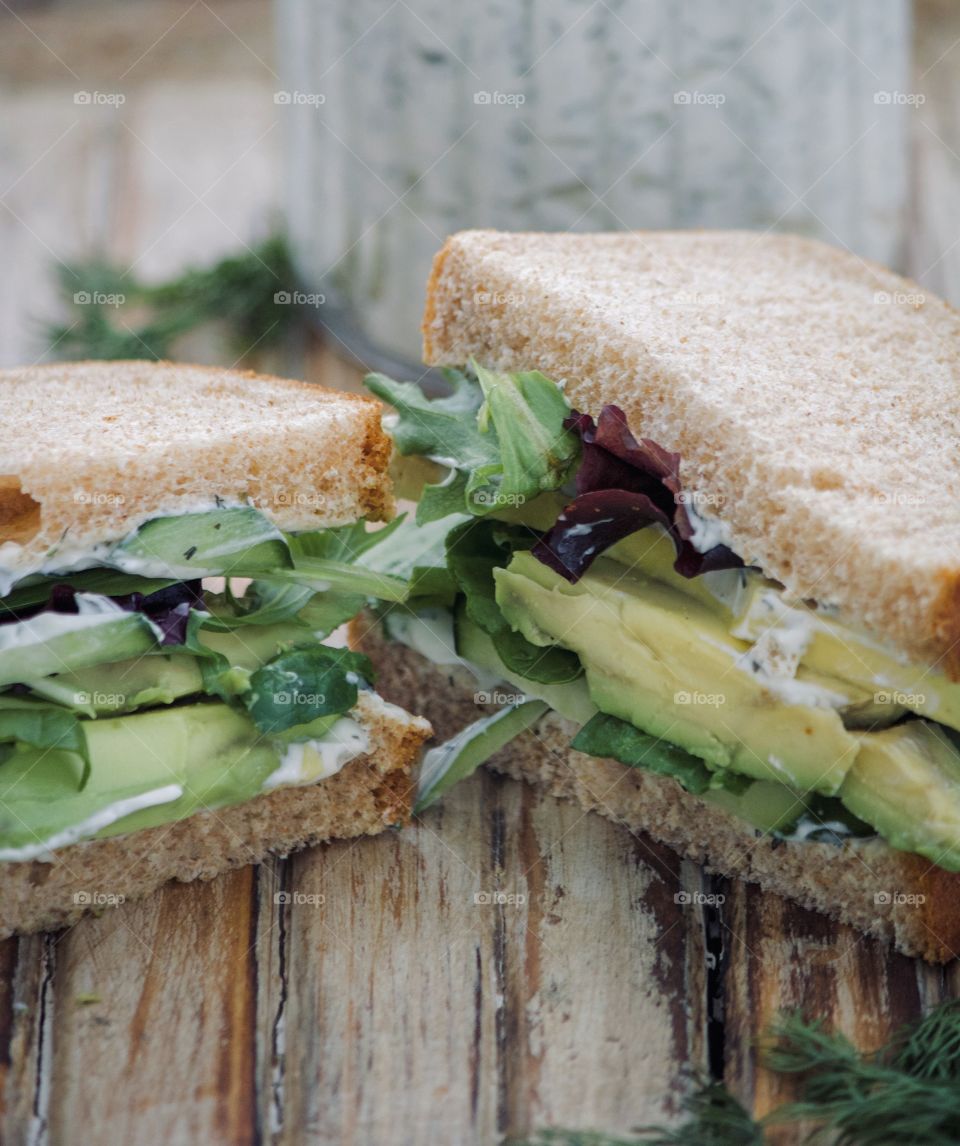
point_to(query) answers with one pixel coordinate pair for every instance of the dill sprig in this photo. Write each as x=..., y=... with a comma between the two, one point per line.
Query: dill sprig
x=112, y=314
x=906, y=1092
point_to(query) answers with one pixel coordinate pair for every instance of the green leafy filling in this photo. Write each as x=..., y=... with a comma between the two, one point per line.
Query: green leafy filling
x=306, y=585
x=609, y=737
x=503, y=440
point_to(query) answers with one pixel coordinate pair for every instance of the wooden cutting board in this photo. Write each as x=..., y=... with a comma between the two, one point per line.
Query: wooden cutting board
x=388, y=1000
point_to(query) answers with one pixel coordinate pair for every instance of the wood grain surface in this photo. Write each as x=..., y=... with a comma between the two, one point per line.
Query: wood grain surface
x=508, y=962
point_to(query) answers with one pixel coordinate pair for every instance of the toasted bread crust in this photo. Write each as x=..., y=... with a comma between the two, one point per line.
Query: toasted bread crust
x=842, y=882
x=103, y=446
x=371, y=793
x=814, y=397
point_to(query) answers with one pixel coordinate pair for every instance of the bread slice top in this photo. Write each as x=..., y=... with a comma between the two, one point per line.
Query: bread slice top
x=90, y=450
x=814, y=397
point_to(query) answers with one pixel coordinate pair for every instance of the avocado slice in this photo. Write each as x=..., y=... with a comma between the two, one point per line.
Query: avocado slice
x=571, y=698
x=840, y=651
x=153, y=768
x=754, y=605
x=905, y=781
x=665, y=661
x=764, y=804
x=161, y=678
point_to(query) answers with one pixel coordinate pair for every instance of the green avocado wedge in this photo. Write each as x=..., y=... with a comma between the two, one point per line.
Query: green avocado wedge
x=146, y=769
x=663, y=661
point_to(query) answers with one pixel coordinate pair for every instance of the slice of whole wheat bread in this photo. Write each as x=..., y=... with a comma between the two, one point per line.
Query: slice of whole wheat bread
x=371, y=793
x=901, y=898
x=814, y=398
x=90, y=450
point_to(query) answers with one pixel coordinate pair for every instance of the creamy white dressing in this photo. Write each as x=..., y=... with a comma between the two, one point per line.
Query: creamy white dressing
x=805, y=827
x=708, y=531
x=93, y=610
x=312, y=760
x=450, y=463
x=94, y=823
x=66, y=557
x=775, y=656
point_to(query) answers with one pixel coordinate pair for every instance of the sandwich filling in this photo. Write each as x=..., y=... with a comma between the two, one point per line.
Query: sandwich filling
x=562, y=556
x=137, y=690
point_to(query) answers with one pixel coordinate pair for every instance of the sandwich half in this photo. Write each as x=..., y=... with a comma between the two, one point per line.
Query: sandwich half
x=688, y=531
x=176, y=544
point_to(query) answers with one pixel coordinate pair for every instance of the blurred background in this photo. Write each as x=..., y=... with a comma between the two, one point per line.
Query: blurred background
x=239, y=182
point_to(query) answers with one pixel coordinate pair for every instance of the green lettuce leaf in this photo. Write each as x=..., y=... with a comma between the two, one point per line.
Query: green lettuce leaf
x=44, y=726
x=474, y=550
x=417, y=554
x=536, y=451
x=303, y=684
x=608, y=736
x=106, y=582
x=501, y=435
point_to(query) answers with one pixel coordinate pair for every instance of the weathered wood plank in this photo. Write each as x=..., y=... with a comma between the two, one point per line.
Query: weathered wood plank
x=154, y=1008
x=415, y=1012
x=26, y=1036
x=783, y=958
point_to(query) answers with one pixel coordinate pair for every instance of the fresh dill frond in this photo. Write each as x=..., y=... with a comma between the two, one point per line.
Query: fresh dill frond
x=715, y=1118
x=907, y=1093
x=112, y=314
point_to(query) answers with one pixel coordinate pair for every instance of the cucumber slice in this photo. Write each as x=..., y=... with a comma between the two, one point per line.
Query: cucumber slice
x=237, y=542
x=457, y=758
x=58, y=642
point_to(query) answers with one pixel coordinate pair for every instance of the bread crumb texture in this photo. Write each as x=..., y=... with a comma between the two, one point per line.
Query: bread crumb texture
x=370, y=794
x=918, y=912
x=90, y=450
x=814, y=397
